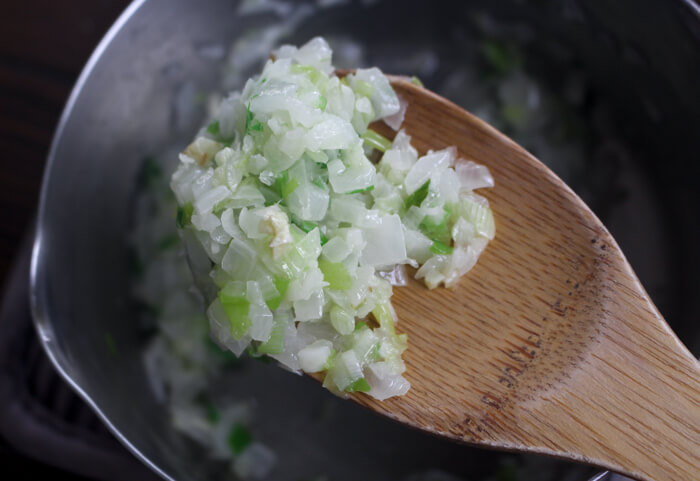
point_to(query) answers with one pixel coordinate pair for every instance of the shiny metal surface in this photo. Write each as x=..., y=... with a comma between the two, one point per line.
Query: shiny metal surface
x=122, y=109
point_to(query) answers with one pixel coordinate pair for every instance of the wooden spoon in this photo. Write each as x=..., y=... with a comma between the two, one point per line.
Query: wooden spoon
x=550, y=344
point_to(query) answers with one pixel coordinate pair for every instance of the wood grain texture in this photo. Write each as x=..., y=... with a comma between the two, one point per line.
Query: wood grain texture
x=550, y=344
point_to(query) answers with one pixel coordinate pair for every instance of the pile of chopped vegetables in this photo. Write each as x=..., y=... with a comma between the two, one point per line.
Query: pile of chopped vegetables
x=303, y=236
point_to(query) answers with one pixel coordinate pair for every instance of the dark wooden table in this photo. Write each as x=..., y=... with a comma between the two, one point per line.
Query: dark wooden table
x=43, y=47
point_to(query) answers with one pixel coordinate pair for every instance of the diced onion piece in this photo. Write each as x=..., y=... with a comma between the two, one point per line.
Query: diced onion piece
x=384, y=100
x=472, y=175
x=297, y=236
x=385, y=242
x=314, y=357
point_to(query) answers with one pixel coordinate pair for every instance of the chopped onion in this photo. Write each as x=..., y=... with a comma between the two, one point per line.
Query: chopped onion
x=307, y=236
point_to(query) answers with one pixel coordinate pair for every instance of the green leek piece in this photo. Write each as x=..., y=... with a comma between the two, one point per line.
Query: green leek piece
x=168, y=242
x=335, y=274
x=275, y=344
x=330, y=362
x=248, y=118
x=315, y=76
x=213, y=414
x=382, y=313
x=416, y=81
x=418, y=196
x=361, y=385
x=150, y=172
x=213, y=128
x=281, y=284
x=376, y=140
x=440, y=248
x=237, y=311
x=184, y=215
x=436, y=230
x=363, y=88
x=375, y=352
x=361, y=191
x=280, y=181
x=251, y=124
x=239, y=438
x=307, y=226
x=501, y=57
x=289, y=187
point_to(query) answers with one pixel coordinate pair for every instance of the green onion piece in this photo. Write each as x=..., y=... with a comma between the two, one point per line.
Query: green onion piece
x=360, y=191
x=376, y=140
x=213, y=128
x=237, y=311
x=150, y=172
x=239, y=438
x=418, y=196
x=280, y=181
x=213, y=414
x=111, y=345
x=184, y=215
x=255, y=353
x=289, y=187
x=330, y=362
x=360, y=325
x=248, y=118
x=271, y=195
x=440, y=248
x=416, y=81
x=219, y=207
x=320, y=182
x=501, y=57
x=361, y=385
x=335, y=274
x=307, y=226
x=382, y=313
x=256, y=126
x=312, y=72
x=275, y=344
x=363, y=88
x=436, y=230
x=281, y=284
x=375, y=352
x=169, y=241
x=322, y=102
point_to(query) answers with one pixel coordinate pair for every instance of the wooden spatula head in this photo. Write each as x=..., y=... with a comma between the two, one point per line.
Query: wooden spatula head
x=549, y=344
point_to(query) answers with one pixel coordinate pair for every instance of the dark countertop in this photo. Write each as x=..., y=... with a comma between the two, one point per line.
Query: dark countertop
x=43, y=47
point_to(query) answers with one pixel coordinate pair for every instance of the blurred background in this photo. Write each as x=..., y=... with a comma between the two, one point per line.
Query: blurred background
x=44, y=45
x=602, y=137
